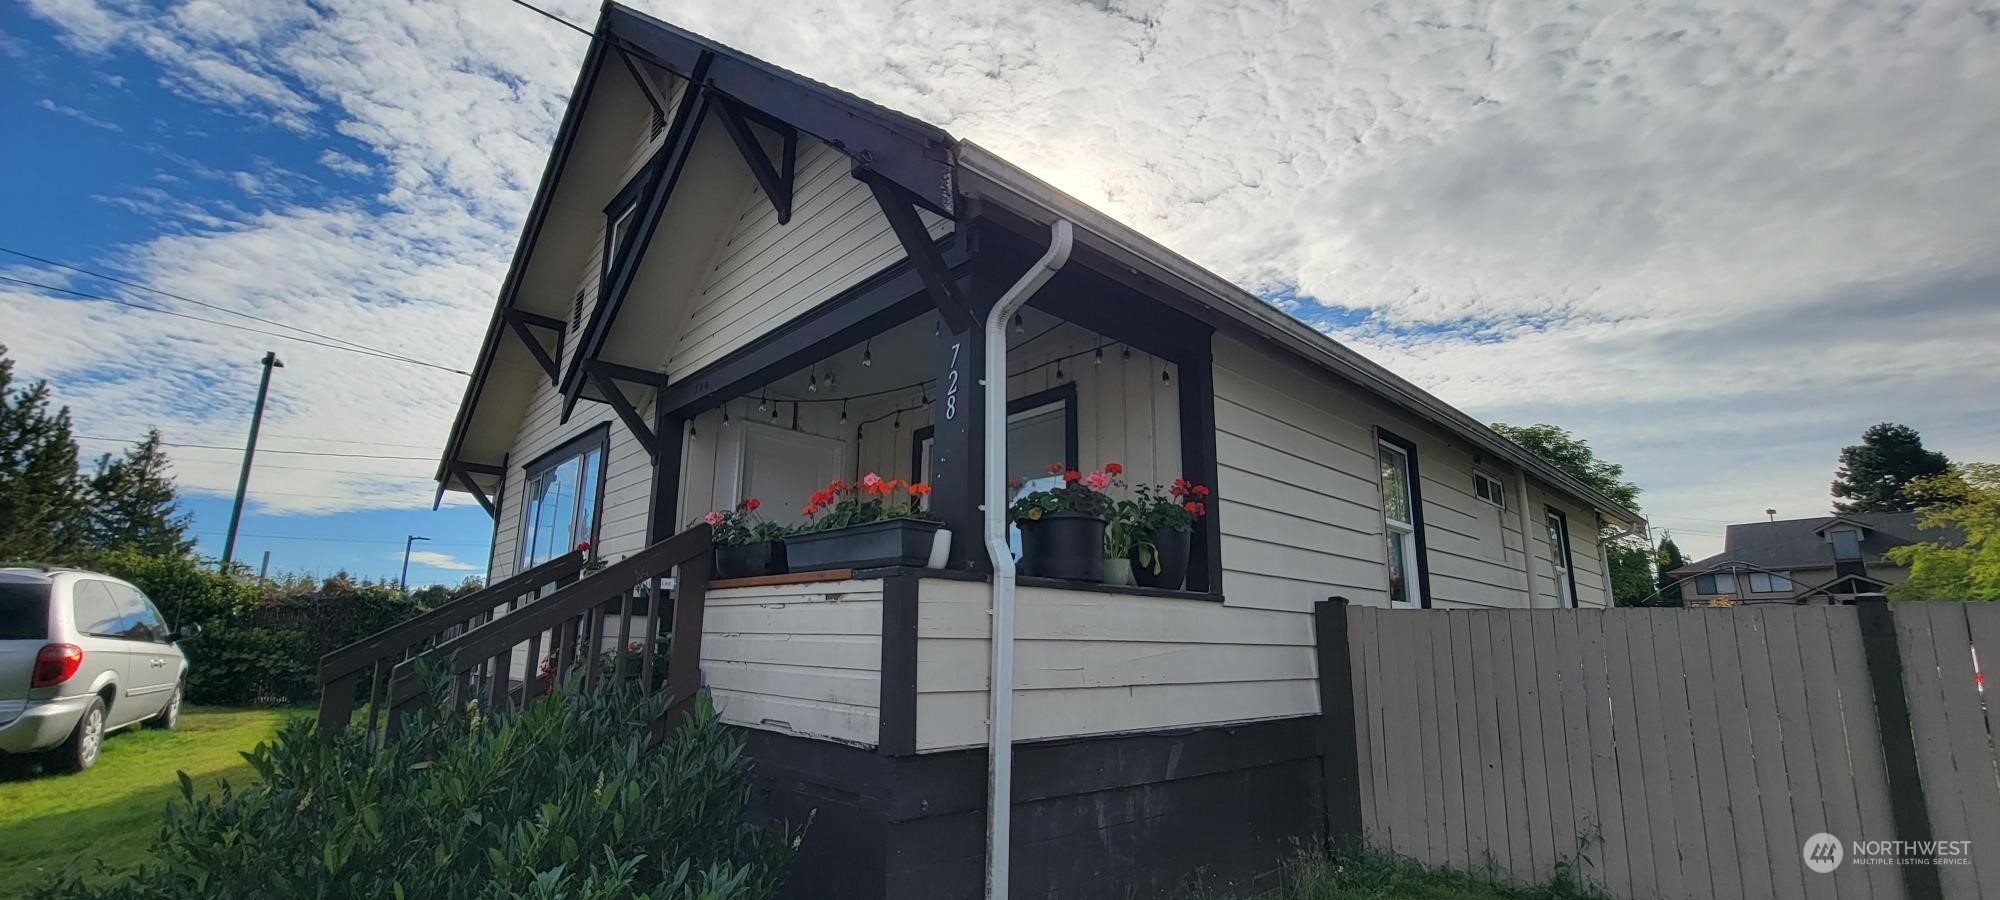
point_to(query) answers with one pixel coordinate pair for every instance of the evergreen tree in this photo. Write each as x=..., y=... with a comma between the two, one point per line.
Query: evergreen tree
x=1875, y=475
x=44, y=515
x=1667, y=559
x=1631, y=562
x=133, y=503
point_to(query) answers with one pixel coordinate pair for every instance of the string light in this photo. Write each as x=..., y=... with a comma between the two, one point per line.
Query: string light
x=832, y=380
x=1126, y=354
x=1019, y=328
x=868, y=353
x=761, y=402
x=725, y=416
x=1164, y=377
x=843, y=412
x=1097, y=356
x=1059, y=374
x=774, y=415
x=812, y=384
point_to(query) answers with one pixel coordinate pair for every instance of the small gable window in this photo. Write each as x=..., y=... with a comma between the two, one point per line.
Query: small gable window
x=1489, y=489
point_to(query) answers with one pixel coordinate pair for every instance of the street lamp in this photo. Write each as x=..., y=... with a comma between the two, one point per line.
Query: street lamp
x=406, y=559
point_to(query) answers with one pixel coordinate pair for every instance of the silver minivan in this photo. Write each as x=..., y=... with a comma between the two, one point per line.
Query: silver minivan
x=81, y=655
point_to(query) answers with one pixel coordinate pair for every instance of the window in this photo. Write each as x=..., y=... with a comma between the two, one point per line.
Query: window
x=1714, y=585
x=1488, y=488
x=1559, y=560
x=564, y=491
x=1041, y=429
x=94, y=611
x=1770, y=582
x=1402, y=518
x=1846, y=543
x=24, y=611
x=137, y=619
x=620, y=228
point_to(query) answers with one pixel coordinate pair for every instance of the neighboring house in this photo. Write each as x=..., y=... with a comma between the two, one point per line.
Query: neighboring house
x=738, y=282
x=1797, y=560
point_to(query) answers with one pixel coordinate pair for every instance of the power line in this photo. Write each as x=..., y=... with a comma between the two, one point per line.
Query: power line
x=335, y=540
x=92, y=437
x=579, y=29
x=388, y=476
x=280, y=335
x=294, y=437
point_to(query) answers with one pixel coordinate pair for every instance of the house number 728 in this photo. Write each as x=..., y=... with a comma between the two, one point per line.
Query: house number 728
x=951, y=385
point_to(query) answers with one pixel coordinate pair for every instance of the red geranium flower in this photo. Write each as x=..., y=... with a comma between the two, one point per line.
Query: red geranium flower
x=1055, y=468
x=583, y=546
x=751, y=504
x=838, y=485
x=1198, y=509
x=809, y=510
x=1072, y=476
x=1112, y=468
x=919, y=489
x=1201, y=490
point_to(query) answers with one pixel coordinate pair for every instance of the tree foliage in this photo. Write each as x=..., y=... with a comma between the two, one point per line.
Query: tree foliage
x=1964, y=500
x=44, y=510
x=1666, y=559
x=558, y=801
x=133, y=505
x=1884, y=471
x=1630, y=559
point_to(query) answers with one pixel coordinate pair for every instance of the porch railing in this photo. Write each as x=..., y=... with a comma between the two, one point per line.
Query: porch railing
x=567, y=630
x=373, y=657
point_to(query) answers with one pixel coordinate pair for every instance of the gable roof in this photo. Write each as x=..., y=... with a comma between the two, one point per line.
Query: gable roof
x=939, y=172
x=1799, y=543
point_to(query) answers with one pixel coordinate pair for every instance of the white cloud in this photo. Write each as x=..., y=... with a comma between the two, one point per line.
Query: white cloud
x=77, y=114
x=1716, y=238
x=345, y=165
x=445, y=561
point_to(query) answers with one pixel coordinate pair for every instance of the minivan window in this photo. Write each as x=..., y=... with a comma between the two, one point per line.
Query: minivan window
x=138, y=620
x=95, y=611
x=24, y=612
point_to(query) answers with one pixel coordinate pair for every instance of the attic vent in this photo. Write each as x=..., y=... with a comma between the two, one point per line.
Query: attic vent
x=576, y=313
x=659, y=121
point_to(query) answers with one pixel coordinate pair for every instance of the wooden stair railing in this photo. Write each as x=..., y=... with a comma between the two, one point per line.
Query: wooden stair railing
x=374, y=656
x=573, y=624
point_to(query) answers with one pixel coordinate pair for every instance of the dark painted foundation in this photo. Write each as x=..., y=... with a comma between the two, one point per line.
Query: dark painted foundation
x=1127, y=816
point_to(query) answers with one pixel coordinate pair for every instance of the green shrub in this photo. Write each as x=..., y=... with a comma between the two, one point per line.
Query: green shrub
x=557, y=801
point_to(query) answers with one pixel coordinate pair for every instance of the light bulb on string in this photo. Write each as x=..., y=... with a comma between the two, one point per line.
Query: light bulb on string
x=812, y=384
x=1097, y=356
x=868, y=353
x=1165, y=378
x=761, y=405
x=1019, y=327
x=1125, y=354
x=843, y=412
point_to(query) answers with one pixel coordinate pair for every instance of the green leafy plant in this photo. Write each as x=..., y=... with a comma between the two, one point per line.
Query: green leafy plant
x=560, y=800
x=1079, y=493
x=742, y=525
x=872, y=499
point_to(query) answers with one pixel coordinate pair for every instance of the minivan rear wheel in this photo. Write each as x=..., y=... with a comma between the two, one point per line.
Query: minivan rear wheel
x=80, y=752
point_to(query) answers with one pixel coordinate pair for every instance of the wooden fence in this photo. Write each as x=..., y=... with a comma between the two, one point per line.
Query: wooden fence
x=1667, y=753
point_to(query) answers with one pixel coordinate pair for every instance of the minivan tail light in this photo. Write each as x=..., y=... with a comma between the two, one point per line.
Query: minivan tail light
x=55, y=664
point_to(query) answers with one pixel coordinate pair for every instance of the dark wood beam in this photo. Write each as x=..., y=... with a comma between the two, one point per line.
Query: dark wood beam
x=484, y=468
x=889, y=297
x=900, y=208
x=518, y=322
x=777, y=184
x=607, y=384
x=662, y=518
x=465, y=478
x=628, y=373
x=1198, y=464
x=645, y=86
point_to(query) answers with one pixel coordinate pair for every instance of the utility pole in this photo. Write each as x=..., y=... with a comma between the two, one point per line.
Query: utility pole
x=405, y=580
x=249, y=452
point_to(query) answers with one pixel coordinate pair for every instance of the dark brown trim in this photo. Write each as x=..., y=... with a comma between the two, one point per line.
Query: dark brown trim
x=896, y=735
x=899, y=207
x=1127, y=590
x=1340, y=763
x=1198, y=464
x=664, y=510
x=1416, y=512
x=478, y=493
x=521, y=322
x=622, y=405
x=1908, y=806
x=777, y=183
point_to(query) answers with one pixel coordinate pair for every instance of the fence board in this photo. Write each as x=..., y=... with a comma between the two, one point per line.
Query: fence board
x=1718, y=831
x=1425, y=683
x=1602, y=768
x=1507, y=706
x=1381, y=828
x=1738, y=763
x=1655, y=756
x=1361, y=637
x=1563, y=825
x=1492, y=780
x=1767, y=738
x=1864, y=746
x=1642, y=845
x=1450, y=778
x=1529, y=684
x=1406, y=775
x=1971, y=778
x=1677, y=743
x=1781, y=641
x=1924, y=683
x=1836, y=773
x=1471, y=769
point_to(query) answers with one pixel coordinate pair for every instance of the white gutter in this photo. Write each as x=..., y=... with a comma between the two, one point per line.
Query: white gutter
x=1000, y=688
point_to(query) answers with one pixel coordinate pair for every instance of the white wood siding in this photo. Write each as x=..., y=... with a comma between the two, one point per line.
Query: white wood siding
x=1095, y=663
x=798, y=659
x=767, y=274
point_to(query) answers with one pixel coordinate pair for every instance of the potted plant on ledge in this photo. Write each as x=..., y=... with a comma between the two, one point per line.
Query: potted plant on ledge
x=745, y=545
x=1062, y=528
x=862, y=525
x=1159, y=522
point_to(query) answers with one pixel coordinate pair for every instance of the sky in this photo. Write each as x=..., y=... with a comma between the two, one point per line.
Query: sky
x=1717, y=238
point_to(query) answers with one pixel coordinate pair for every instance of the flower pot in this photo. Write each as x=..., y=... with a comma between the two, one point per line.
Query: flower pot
x=747, y=560
x=1118, y=571
x=1063, y=545
x=891, y=542
x=1172, y=562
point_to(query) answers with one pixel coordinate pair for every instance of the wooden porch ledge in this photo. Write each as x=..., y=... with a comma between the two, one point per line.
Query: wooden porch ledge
x=953, y=575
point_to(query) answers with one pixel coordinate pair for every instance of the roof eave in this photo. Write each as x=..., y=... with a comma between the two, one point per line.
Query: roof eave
x=1273, y=323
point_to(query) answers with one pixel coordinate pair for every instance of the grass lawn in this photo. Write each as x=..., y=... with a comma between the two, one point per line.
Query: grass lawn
x=112, y=811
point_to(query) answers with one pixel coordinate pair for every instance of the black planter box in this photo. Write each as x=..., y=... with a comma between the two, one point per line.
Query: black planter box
x=748, y=560
x=1063, y=545
x=893, y=542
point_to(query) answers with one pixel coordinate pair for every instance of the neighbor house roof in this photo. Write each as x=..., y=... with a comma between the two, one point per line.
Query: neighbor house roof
x=1800, y=543
x=938, y=169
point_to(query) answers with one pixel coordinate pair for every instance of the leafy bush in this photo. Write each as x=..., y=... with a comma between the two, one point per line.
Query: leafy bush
x=557, y=801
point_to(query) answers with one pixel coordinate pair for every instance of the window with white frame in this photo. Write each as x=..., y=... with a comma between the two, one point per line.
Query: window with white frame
x=559, y=508
x=1488, y=488
x=1559, y=559
x=1399, y=518
x=1770, y=582
x=1715, y=585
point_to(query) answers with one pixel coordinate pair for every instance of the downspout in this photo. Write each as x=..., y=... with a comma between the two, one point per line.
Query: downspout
x=1527, y=537
x=1000, y=688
